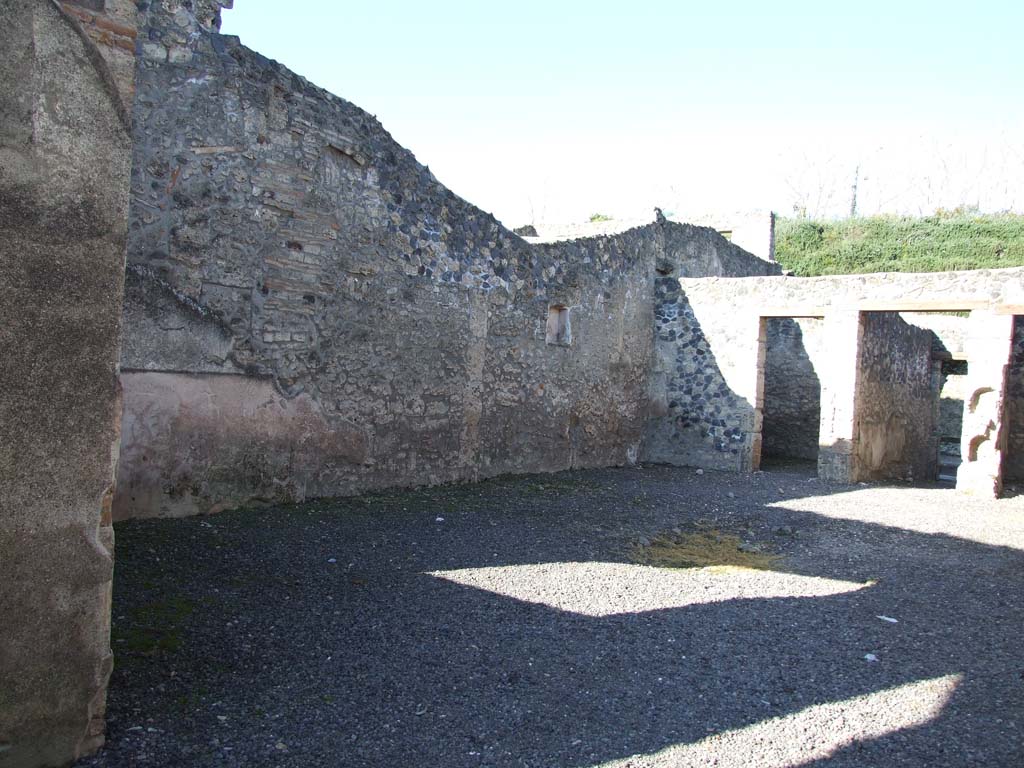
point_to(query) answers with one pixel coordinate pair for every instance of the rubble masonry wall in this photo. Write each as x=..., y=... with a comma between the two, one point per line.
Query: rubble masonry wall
x=791, y=414
x=309, y=312
x=896, y=400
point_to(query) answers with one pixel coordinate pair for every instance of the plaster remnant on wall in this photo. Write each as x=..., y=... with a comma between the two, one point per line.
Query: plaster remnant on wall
x=990, y=340
x=65, y=151
x=278, y=232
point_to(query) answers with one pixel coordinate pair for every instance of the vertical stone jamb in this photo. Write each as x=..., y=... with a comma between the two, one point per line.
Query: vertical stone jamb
x=65, y=150
x=742, y=365
x=983, y=441
x=757, y=439
x=839, y=377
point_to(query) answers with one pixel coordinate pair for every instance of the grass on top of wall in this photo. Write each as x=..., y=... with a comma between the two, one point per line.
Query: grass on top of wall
x=945, y=241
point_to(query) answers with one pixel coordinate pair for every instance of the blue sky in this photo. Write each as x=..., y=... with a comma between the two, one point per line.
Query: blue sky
x=545, y=111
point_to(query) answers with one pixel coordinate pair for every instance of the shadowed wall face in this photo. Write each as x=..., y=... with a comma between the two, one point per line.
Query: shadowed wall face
x=878, y=391
x=895, y=400
x=1013, y=459
x=792, y=390
x=65, y=154
x=311, y=313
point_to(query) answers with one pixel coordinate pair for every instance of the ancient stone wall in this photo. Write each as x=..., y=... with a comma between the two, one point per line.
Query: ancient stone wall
x=949, y=332
x=983, y=440
x=310, y=312
x=791, y=412
x=112, y=28
x=702, y=393
x=1013, y=461
x=896, y=400
x=713, y=330
x=951, y=406
x=64, y=176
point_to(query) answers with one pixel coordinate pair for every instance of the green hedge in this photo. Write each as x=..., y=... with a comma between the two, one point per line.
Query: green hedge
x=937, y=243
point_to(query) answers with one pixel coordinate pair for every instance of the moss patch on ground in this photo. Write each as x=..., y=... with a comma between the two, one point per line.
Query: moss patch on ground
x=709, y=548
x=154, y=628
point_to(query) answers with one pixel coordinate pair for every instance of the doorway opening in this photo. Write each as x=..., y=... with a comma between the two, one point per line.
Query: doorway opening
x=952, y=389
x=791, y=399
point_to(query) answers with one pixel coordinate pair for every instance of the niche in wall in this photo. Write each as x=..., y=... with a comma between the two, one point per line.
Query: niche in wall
x=559, y=330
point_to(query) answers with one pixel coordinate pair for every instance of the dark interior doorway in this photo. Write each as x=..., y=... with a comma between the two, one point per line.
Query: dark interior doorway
x=791, y=410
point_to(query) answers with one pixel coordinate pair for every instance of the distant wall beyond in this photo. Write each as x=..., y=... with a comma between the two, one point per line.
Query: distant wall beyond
x=711, y=337
x=795, y=348
x=896, y=400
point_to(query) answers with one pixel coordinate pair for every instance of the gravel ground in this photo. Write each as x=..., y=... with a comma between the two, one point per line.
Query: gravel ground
x=506, y=624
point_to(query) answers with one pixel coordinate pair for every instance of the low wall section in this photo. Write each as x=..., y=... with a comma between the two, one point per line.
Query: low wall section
x=717, y=420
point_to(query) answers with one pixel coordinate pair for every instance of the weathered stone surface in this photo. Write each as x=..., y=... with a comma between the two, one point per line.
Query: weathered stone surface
x=270, y=448
x=279, y=233
x=895, y=401
x=1013, y=459
x=64, y=172
x=985, y=430
x=527, y=230
x=795, y=349
x=718, y=415
x=111, y=26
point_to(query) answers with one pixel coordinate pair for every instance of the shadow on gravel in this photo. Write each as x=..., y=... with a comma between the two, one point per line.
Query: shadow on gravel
x=314, y=635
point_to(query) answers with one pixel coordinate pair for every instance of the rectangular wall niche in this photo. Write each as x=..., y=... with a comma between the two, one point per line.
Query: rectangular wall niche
x=558, y=329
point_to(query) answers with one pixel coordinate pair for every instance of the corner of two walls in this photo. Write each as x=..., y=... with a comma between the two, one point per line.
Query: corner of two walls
x=704, y=396
x=310, y=313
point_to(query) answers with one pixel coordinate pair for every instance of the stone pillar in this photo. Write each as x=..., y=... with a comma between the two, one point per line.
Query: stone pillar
x=839, y=376
x=742, y=362
x=65, y=151
x=983, y=441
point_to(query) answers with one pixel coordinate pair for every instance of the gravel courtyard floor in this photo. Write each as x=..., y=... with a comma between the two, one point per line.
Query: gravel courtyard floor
x=510, y=623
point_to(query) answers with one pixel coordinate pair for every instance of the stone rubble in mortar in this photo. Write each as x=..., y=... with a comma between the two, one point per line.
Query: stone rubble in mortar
x=256, y=191
x=698, y=398
x=1014, y=458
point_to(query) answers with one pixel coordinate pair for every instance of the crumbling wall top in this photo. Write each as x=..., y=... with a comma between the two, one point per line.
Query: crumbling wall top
x=206, y=12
